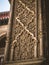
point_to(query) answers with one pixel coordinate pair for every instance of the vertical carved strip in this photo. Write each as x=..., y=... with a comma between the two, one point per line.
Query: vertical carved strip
x=35, y=47
x=40, y=28
x=12, y=52
x=35, y=50
x=8, y=33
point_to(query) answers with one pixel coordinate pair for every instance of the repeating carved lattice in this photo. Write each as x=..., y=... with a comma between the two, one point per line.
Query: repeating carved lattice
x=24, y=46
x=30, y=4
x=26, y=17
x=24, y=29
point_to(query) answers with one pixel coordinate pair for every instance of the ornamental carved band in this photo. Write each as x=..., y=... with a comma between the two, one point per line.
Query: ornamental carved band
x=25, y=34
x=24, y=31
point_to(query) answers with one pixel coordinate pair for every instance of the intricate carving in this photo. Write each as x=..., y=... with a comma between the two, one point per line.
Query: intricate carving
x=24, y=29
x=18, y=7
x=26, y=17
x=18, y=28
x=30, y=4
x=24, y=48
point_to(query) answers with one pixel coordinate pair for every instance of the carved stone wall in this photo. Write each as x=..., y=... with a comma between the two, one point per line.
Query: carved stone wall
x=25, y=40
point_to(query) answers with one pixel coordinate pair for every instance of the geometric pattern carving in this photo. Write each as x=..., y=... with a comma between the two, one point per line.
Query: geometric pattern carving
x=24, y=29
x=24, y=48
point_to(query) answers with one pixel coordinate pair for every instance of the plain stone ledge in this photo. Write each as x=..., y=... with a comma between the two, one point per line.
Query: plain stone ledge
x=26, y=62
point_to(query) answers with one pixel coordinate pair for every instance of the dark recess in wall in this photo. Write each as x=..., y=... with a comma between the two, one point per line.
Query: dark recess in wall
x=47, y=20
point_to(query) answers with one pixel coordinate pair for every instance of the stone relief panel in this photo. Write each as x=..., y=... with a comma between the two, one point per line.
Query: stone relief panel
x=24, y=48
x=25, y=29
